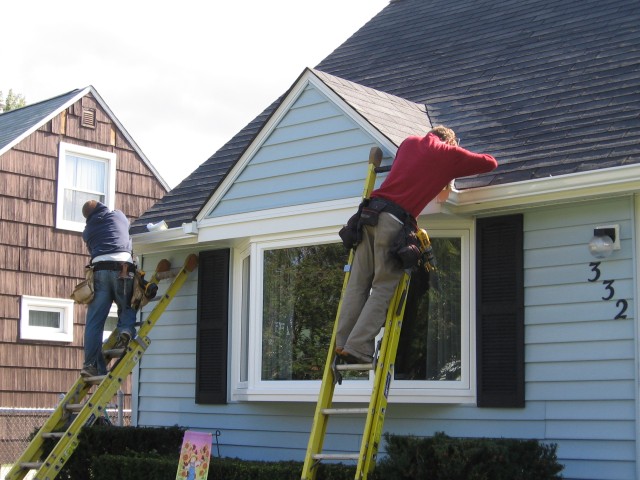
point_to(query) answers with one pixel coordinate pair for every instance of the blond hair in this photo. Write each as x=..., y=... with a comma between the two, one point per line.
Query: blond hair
x=445, y=134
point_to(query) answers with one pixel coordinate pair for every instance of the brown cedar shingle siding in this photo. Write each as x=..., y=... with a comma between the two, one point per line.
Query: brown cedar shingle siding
x=39, y=260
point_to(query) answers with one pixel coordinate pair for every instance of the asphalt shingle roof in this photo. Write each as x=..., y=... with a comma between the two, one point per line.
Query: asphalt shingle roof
x=395, y=117
x=549, y=88
x=15, y=123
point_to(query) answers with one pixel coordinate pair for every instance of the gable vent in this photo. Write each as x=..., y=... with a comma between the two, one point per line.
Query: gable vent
x=89, y=117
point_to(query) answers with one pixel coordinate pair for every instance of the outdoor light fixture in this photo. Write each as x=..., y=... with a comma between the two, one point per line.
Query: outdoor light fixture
x=605, y=240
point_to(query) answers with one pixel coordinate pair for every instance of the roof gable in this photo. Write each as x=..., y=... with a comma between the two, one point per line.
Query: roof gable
x=313, y=147
x=15, y=125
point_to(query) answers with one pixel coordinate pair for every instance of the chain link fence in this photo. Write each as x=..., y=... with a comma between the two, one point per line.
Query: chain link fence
x=17, y=426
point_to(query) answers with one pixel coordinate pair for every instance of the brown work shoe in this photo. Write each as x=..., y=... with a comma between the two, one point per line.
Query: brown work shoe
x=350, y=358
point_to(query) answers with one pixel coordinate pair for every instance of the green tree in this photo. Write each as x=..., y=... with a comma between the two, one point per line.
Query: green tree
x=13, y=101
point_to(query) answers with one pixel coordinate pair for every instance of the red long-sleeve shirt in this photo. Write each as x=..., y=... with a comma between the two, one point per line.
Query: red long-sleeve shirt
x=424, y=166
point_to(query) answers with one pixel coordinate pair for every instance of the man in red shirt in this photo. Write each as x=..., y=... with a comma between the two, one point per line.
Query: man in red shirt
x=423, y=167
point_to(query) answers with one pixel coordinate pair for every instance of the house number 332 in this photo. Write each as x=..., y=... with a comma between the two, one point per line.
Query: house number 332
x=621, y=304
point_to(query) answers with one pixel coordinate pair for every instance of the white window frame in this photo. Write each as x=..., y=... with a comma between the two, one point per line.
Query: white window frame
x=402, y=391
x=110, y=192
x=60, y=305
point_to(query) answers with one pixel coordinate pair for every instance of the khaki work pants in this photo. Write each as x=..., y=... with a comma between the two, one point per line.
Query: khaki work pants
x=375, y=273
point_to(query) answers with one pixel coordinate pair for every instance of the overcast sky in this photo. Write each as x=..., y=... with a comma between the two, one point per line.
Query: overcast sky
x=182, y=77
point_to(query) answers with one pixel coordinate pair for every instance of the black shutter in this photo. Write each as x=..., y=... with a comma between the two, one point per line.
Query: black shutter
x=500, y=312
x=211, y=341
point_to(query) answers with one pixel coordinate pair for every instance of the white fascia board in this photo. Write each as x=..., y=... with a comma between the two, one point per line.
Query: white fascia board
x=277, y=221
x=308, y=77
x=550, y=190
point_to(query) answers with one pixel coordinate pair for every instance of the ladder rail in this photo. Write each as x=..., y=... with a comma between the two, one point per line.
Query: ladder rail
x=385, y=370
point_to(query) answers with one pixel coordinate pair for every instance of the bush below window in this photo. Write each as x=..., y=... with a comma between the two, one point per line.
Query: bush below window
x=133, y=453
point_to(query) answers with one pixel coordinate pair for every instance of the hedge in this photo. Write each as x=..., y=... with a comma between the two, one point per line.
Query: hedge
x=134, y=453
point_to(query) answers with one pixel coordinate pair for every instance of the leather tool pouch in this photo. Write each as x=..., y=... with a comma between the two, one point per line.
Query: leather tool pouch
x=143, y=291
x=371, y=212
x=350, y=233
x=83, y=292
x=407, y=247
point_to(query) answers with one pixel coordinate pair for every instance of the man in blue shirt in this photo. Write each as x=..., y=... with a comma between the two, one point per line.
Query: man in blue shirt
x=106, y=235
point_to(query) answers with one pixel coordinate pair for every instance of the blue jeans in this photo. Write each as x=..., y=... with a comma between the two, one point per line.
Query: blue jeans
x=108, y=288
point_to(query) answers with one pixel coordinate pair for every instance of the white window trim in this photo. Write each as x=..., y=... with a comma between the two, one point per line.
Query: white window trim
x=108, y=157
x=61, y=305
x=402, y=391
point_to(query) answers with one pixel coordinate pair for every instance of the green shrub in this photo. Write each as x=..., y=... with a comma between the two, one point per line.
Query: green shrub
x=139, y=453
x=122, y=467
x=147, y=442
x=444, y=458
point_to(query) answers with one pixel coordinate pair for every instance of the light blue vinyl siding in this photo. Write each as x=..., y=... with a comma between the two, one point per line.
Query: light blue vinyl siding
x=580, y=360
x=580, y=364
x=314, y=154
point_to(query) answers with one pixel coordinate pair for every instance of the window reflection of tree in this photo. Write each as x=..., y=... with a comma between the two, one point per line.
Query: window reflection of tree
x=301, y=292
x=430, y=341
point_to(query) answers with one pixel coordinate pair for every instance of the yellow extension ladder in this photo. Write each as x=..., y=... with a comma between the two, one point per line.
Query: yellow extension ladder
x=383, y=366
x=61, y=425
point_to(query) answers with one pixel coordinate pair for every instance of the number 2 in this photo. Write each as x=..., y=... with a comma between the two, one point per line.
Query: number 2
x=621, y=314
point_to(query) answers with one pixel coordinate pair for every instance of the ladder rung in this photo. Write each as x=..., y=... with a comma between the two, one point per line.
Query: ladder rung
x=94, y=380
x=31, y=465
x=53, y=435
x=354, y=366
x=344, y=411
x=74, y=407
x=113, y=353
x=336, y=456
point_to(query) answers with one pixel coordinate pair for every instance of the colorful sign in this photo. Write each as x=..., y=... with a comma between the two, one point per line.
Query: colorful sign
x=195, y=456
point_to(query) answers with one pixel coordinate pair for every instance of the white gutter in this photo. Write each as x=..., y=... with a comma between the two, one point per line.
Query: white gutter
x=584, y=185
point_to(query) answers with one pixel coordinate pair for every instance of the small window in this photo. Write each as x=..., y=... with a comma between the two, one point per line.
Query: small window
x=83, y=174
x=48, y=319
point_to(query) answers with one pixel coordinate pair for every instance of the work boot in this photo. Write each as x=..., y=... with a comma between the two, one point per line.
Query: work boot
x=123, y=340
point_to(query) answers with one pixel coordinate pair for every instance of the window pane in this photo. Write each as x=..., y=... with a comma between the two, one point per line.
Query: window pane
x=41, y=318
x=244, y=325
x=73, y=202
x=86, y=180
x=430, y=340
x=86, y=174
x=301, y=292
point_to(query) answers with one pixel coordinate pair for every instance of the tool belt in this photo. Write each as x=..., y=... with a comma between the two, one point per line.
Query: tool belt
x=114, y=266
x=368, y=212
x=379, y=204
